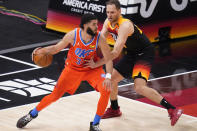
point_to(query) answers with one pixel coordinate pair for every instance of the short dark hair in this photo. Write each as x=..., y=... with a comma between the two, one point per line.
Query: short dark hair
x=87, y=18
x=115, y=2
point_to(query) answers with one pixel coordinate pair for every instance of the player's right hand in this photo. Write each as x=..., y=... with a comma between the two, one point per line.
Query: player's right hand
x=107, y=84
x=35, y=52
x=90, y=63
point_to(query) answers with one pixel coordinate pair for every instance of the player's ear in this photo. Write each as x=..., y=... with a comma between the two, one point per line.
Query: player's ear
x=85, y=26
x=119, y=10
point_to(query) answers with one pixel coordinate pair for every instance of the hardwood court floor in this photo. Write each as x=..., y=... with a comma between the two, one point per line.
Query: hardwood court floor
x=73, y=113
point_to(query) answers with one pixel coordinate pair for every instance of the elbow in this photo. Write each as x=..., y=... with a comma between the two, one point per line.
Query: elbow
x=114, y=55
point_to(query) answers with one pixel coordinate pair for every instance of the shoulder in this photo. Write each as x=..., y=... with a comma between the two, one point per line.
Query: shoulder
x=106, y=22
x=72, y=32
x=101, y=37
x=70, y=36
x=127, y=24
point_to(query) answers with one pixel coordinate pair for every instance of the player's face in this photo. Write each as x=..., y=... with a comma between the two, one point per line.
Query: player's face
x=112, y=13
x=92, y=27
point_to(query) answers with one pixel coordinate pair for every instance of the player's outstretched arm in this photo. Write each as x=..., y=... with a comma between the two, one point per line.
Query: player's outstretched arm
x=124, y=31
x=104, y=33
x=54, y=49
x=105, y=49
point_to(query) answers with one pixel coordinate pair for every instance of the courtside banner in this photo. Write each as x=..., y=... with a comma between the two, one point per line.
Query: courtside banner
x=149, y=15
x=65, y=15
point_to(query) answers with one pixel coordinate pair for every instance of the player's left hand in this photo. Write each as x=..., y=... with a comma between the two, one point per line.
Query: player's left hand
x=107, y=84
x=90, y=63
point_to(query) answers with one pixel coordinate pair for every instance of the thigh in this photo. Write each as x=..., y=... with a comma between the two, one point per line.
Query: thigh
x=95, y=76
x=69, y=80
x=125, y=66
x=143, y=64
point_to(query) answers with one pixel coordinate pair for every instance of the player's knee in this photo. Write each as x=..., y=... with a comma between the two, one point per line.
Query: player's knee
x=139, y=85
x=114, y=85
x=114, y=81
x=139, y=89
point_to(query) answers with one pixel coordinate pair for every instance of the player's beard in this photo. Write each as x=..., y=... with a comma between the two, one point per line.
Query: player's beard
x=90, y=32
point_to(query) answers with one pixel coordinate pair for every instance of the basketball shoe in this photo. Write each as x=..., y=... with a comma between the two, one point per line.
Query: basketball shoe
x=23, y=121
x=94, y=127
x=174, y=115
x=109, y=113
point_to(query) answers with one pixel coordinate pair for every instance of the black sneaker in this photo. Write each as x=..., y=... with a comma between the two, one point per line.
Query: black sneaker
x=23, y=121
x=94, y=127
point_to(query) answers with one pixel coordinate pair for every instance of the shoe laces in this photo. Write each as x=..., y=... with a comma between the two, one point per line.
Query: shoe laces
x=28, y=118
x=170, y=114
x=96, y=128
x=109, y=110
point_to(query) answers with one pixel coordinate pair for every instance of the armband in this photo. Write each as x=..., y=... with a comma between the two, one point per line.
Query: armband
x=108, y=76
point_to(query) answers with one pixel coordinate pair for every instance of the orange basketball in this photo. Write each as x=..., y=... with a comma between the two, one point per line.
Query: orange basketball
x=42, y=60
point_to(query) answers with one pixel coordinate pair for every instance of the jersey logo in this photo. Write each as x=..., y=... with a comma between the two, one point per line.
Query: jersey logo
x=92, y=46
x=114, y=36
x=82, y=53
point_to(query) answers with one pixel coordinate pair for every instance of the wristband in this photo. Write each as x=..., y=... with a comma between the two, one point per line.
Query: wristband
x=108, y=76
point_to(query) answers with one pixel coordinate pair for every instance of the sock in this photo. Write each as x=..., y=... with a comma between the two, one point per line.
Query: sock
x=166, y=104
x=96, y=119
x=34, y=112
x=114, y=104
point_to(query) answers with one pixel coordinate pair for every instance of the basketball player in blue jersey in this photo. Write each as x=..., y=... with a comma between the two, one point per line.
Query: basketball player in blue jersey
x=136, y=62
